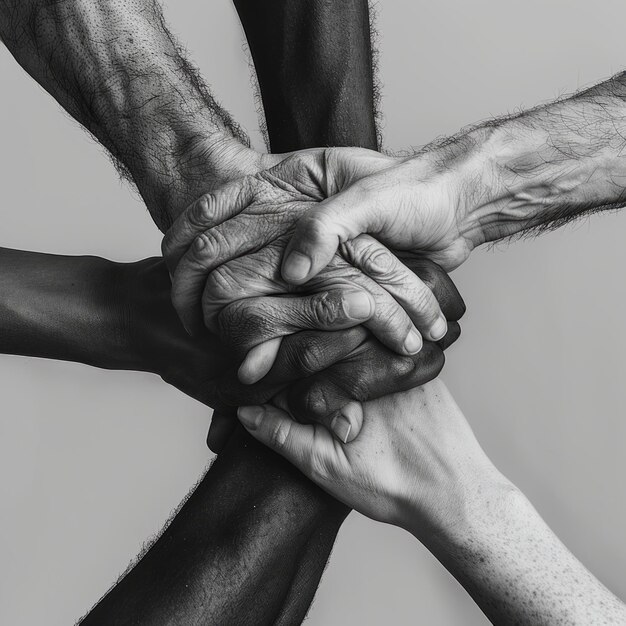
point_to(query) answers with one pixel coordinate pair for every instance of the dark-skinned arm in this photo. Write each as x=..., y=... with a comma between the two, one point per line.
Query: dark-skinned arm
x=313, y=60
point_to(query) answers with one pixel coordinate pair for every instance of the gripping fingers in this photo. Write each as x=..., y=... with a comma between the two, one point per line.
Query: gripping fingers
x=377, y=262
x=245, y=324
x=259, y=361
x=371, y=372
x=309, y=447
x=300, y=356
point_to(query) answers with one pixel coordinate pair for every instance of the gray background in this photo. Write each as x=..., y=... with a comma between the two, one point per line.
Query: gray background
x=92, y=462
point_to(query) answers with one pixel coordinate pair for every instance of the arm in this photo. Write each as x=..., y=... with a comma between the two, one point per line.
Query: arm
x=66, y=308
x=118, y=71
x=417, y=464
x=533, y=171
x=228, y=563
x=317, y=88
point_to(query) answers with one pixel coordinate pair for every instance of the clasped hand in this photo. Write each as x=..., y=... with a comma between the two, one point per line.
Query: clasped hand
x=225, y=254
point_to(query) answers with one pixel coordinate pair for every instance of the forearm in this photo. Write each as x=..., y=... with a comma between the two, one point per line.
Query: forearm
x=517, y=570
x=63, y=308
x=545, y=166
x=314, y=64
x=118, y=71
x=231, y=553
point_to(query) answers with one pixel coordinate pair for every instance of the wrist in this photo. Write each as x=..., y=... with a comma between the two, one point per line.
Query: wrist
x=199, y=163
x=140, y=290
x=532, y=173
x=458, y=175
x=462, y=514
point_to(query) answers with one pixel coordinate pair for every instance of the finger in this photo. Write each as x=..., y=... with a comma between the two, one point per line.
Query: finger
x=247, y=323
x=390, y=323
x=206, y=212
x=440, y=283
x=221, y=428
x=259, y=361
x=204, y=268
x=454, y=332
x=377, y=262
x=300, y=356
x=319, y=232
x=310, y=448
x=371, y=372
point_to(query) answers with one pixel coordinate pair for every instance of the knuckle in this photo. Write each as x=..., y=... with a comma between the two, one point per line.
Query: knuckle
x=310, y=358
x=205, y=247
x=278, y=434
x=379, y=262
x=326, y=310
x=400, y=366
x=242, y=324
x=222, y=285
x=200, y=212
x=315, y=403
x=358, y=388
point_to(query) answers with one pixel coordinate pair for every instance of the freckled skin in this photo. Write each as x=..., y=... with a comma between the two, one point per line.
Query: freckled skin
x=416, y=464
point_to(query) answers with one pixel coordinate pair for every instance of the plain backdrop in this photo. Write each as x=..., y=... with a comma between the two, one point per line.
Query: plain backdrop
x=93, y=462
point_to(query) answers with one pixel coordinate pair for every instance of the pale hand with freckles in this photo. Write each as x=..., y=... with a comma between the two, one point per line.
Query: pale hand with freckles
x=416, y=464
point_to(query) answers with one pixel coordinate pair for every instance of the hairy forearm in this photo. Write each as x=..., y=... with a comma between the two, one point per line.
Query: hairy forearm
x=231, y=553
x=314, y=63
x=517, y=570
x=64, y=308
x=116, y=69
x=545, y=166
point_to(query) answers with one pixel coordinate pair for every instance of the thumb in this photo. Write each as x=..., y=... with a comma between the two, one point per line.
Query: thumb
x=321, y=230
x=308, y=447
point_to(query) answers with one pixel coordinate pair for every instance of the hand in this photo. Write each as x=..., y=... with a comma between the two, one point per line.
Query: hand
x=238, y=235
x=416, y=463
x=419, y=204
x=328, y=369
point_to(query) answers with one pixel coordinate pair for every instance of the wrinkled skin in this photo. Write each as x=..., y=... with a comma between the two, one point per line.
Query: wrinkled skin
x=323, y=371
x=229, y=245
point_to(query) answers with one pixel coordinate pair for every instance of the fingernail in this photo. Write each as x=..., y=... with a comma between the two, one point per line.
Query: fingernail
x=341, y=427
x=250, y=416
x=358, y=305
x=439, y=329
x=413, y=342
x=296, y=266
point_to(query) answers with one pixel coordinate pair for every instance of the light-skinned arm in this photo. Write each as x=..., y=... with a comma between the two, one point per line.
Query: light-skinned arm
x=536, y=170
x=116, y=68
x=417, y=465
